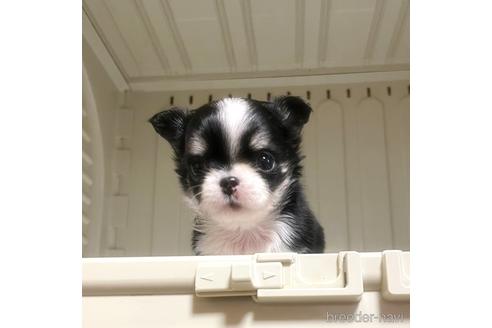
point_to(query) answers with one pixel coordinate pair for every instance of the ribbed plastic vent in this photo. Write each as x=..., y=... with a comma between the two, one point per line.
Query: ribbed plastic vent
x=87, y=177
x=93, y=174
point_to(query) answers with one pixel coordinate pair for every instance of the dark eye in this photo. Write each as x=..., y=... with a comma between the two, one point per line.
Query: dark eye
x=265, y=161
x=195, y=168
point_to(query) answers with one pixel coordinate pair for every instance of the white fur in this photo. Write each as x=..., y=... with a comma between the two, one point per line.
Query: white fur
x=252, y=194
x=284, y=167
x=259, y=141
x=221, y=240
x=280, y=192
x=247, y=230
x=197, y=146
x=234, y=116
x=282, y=237
x=266, y=236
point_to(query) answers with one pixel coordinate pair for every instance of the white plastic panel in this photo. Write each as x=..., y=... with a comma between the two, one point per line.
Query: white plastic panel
x=156, y=40
x=200, y=30
x=374, y=185
x=269, y=277
x=130, y=20
x=115, y=41
x=166, y=200
x=398, y=138
x=156, y=311
x=162, y=25
x=93, y=170
x=236, y=24
x=332, y=211
x=341, y=17
x=274, y=42
x=306, y=290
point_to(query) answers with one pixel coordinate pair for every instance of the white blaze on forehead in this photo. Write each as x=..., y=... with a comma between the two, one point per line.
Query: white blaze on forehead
x=234, y=115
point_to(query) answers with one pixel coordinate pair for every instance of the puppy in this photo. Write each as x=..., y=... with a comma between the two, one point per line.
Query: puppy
x=238, y=161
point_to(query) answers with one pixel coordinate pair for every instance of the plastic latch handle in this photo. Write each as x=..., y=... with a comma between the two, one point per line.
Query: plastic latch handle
x=351, y=292
x=395, y=280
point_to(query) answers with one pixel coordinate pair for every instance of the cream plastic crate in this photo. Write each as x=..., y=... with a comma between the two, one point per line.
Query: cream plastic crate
x=261, y=290
x=357, y=139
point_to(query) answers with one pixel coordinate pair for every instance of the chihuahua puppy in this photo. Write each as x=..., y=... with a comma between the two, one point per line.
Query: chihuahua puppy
x=238, y=162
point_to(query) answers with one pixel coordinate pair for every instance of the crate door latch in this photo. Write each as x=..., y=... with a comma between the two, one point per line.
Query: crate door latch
x=280, y=277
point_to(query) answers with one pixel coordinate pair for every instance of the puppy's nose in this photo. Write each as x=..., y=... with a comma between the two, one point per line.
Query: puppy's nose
x=229, y=185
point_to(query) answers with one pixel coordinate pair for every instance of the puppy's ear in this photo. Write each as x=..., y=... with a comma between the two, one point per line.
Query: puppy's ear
x=294, y=112
x=170, y=124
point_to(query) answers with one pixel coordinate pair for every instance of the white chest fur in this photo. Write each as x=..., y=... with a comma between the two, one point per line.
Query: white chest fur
x=264, y=237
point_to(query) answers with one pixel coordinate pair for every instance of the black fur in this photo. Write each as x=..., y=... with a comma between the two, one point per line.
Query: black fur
x=282, y=120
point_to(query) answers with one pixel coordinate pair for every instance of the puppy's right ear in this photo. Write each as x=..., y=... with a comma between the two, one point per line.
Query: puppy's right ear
x=170, y=124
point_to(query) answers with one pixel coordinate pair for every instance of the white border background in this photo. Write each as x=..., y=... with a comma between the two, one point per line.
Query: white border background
x=451, y=165
x=40, y=166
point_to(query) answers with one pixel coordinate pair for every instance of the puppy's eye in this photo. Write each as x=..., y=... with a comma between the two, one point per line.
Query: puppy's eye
x=265, y=161
x=196, y=168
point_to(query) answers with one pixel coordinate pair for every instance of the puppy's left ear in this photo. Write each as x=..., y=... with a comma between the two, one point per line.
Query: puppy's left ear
x=170, y=124
x=293, y=111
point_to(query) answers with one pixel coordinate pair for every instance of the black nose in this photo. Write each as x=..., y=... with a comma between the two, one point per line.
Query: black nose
x=229, y=185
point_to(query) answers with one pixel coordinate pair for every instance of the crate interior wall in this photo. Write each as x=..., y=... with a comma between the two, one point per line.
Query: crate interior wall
x=356, y=170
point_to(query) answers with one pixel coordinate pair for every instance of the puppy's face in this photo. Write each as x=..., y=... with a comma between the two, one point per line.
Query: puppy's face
x=236, y=157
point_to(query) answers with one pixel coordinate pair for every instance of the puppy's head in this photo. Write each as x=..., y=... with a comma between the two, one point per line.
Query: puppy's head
x=236, y=157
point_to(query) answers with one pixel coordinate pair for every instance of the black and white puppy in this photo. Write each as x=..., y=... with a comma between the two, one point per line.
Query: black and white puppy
x=238, y=161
